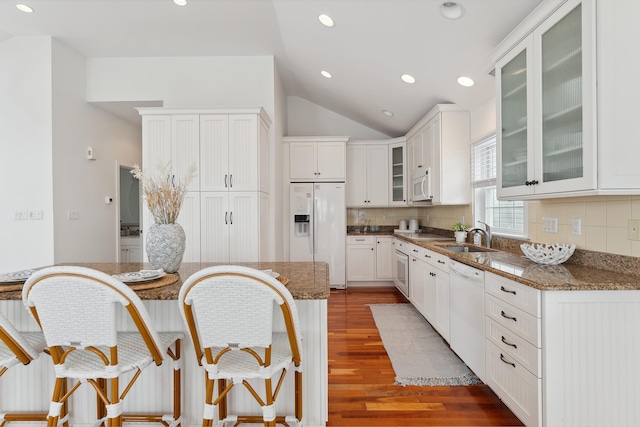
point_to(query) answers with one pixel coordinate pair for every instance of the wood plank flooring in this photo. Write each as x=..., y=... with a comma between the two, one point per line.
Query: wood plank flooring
x=361, y=390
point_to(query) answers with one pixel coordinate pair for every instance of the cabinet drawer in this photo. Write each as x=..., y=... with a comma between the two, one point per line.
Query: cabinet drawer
x=400, y=245
x=361, y=240
x=514, y=319
x=415, y=251
x=522, y=351
x=436, y=260
x=516, y=294
x=520, y=390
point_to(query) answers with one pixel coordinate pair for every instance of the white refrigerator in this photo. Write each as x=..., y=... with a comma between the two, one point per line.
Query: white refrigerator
x=318, y=229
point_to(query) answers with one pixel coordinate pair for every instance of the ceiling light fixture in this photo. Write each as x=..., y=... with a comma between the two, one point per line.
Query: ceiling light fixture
x=387, y=113
x=465, y=81
x=24, y=8
x=326, y=20
x=180, y=2
x=326, y=74
x=451, y=10
x=408, y=78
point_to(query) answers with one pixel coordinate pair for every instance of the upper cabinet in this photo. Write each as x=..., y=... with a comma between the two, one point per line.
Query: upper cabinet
x=559, y=133
x=439, y=145
x=316, y=158
x=398, y=170
x=367, y=175
x=546, y=143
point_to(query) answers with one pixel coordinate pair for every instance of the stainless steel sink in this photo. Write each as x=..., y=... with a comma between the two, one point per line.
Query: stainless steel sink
x=465, y=249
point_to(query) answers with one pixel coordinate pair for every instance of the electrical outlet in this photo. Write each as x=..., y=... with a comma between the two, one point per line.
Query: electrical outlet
x=550, y=225
x=576, y=225
x=73, y=215
x=633, y=229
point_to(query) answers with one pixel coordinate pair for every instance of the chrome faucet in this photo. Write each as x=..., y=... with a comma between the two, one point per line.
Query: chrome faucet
x=486, y=231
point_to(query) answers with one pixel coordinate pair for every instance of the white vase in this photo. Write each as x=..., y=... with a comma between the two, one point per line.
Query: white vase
x=461, y=236
x=165, y=246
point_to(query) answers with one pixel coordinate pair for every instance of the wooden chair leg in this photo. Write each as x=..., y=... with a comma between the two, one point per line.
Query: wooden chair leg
x=177, y=385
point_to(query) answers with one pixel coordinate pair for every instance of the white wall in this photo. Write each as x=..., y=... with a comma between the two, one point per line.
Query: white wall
x=25, y=144
x=483, y=120
x=308, y=119
x=81, y=184
x=280, y=199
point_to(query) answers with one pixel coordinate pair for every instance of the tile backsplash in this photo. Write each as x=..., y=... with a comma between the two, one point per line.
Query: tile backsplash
x=603, y=220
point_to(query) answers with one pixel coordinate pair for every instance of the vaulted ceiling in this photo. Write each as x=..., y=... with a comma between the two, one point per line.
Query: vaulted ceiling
x=371, y=45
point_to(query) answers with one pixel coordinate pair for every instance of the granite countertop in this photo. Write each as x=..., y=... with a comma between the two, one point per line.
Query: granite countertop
x=580, y=273
x=563, y=277
x=307, y=280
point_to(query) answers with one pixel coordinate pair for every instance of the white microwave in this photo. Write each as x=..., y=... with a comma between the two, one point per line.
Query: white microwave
x=421, y=188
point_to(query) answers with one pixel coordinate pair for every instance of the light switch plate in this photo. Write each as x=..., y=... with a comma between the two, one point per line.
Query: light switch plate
x=576, y=225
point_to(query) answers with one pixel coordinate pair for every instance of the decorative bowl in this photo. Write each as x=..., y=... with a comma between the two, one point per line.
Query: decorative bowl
x=548, y=254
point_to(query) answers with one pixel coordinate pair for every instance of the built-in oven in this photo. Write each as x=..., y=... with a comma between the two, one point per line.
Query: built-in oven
x=421, y=188
x=401, y=272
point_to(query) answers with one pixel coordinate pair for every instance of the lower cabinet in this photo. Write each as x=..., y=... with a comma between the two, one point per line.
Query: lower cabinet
x=514, y=346
x=231, y=225
x=429, y=284
x=130, y=249
x=370, y=258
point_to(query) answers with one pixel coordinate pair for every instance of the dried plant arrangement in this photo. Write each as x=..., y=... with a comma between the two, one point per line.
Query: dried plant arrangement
x=163, y=194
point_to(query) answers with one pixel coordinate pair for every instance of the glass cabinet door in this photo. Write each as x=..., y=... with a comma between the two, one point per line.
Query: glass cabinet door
x=561, y=102
x=398, y=174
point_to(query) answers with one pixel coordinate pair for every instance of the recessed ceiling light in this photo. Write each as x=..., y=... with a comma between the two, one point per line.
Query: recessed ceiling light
x=465, y=81
x=24, y=8
x=326, y=20
x=408, y=78
x=387, y=113
x=180, y=2
x=451, y=10
x=326, y=74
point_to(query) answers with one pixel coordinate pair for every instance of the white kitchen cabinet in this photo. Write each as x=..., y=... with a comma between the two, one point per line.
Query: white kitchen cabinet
x=384, y=258
x=171, y=140
x=514, y=346
x=367, y=182
x=130, y=249
x=429, y=284
x=398, y=170
x=231, y=226
x=234, y=153
x=440, y=146
x=316, y=158
x=231, y=150
x=361, y=258
x=546, y=109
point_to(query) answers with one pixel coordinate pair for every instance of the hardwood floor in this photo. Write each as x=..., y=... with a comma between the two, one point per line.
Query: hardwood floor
x=361, y=390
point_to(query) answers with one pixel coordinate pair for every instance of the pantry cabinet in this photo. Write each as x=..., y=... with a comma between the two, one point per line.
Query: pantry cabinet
x=367, y=182
x=225, y=213
x=438, y=145
x=314, y=159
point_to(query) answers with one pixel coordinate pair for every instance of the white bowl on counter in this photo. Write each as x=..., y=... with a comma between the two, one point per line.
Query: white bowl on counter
x=549, y=254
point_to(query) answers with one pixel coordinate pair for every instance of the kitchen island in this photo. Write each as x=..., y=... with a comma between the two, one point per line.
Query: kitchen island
x=308, y=283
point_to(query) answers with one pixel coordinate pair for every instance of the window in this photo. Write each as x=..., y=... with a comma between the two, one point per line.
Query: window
x=504, y=217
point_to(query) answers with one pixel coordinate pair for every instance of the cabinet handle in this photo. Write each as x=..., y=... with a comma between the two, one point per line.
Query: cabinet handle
x=419, y=166
x=225, y=217
x=427, y=256
x=432, y=273
x=231, y=180
x=225, y=181
x=441, y=262
x=504, y=340
x=504, y=361
x=503, y=314
x=371, y=248
x=231, y=218
x=415, y=250
x=503, y=289
x=359, y=240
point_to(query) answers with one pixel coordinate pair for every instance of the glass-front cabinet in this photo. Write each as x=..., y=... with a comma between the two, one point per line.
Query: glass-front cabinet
x=546, y=108
x=398, y=169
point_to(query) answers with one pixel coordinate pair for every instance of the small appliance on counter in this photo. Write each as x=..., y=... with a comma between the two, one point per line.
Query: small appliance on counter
x=403, y=225
x=413, y=225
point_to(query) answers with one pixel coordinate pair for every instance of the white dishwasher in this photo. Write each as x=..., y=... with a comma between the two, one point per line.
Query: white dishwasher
x=466, y=315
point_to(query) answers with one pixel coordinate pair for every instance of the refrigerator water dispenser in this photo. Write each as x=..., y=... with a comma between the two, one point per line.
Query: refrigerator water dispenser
x=301, y=228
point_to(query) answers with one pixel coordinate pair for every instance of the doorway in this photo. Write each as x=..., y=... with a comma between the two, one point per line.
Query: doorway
x=129, y=206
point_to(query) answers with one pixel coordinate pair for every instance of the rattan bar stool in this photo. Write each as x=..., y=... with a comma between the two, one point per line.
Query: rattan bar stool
x=76, y=308
x=19, y=348
x=229, y=312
